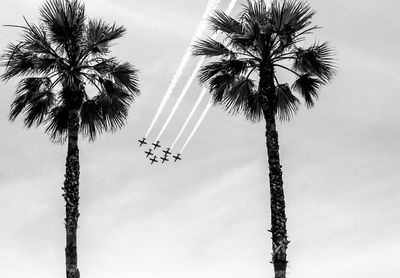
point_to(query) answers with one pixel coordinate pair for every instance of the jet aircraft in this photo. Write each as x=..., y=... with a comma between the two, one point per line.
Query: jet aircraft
x=148, y=153
x=164, y=159
x=143, y=141
x=167, y=152
x=156, y=144
x=154, y=159
x=177, y=157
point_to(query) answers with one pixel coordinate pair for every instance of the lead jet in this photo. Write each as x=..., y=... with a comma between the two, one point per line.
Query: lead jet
x=167, y=152
x=164, y=159
x=143, y=141
x=154, y=159
x=148, y=153
x=177, y=157
x=156, y=144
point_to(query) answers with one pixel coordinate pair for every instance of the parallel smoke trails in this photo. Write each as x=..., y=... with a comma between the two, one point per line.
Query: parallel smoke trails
x=190, y=116
x=231, y=5
x=187, y=86
x=182, y=95
x=211, y=5
x=197, y=124
x=228, y=11
x=207, y=108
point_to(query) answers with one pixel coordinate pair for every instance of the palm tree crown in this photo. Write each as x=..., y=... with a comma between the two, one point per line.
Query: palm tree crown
x=56, y=59
x=263, y=39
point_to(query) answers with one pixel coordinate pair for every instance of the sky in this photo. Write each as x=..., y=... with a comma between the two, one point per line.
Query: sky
x=208, y=215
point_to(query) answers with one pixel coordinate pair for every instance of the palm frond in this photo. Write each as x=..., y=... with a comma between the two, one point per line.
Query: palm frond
x=256, y=29
x=17, y=62
x=45, y=64
x=231, y=67
x=100, y=35
x=317, y=60
x=300, y=36
x=102, y=65
x=17, y=106
x=32, y=97
x=255, y=13
x=124, y=74
x=117, y=92
x=307, y=86
x=246, y=39
x=210, y=48
x=254, y=107
x=20, y=102
x=290, y=16
x=33, y=55
x=92, y=122
x=210, y=70
x=114, y=103
x=35, y=39
x=38, y=108
x=65, y=22
x=219, y=84
x=237, y=94
x=221, y=22
x=114, y=112
x=57, y=123
x=287, y=103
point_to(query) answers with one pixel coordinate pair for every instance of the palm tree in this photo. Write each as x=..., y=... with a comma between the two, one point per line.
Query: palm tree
x=56, y=59
x=256, y=47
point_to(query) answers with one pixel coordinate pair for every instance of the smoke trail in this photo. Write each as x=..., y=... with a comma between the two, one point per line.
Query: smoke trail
x=211, y=5
x=197, y=124
x=189, y=83
x=181, y=96
x=190, y=116
x=228, y=11
x=230, y=7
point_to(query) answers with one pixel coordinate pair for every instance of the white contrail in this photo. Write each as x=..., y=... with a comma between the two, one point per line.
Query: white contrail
x=181, y=96
x=190, y=116
x=230, y=7
x=189, y=83
x=211, y=5
x=197, y=124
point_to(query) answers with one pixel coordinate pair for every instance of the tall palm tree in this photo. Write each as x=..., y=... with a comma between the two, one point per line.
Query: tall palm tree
x=55, y=60
x=256, y=47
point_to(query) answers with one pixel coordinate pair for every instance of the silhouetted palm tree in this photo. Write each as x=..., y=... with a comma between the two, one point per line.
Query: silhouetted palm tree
x=56, y=59
x=260, y=41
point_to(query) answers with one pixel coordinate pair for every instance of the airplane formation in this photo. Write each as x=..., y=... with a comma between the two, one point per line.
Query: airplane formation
x=153, y=158
x=210, y=8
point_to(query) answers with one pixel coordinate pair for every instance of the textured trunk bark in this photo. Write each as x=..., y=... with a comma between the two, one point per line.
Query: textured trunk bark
x=278, y=216
x=71, y=195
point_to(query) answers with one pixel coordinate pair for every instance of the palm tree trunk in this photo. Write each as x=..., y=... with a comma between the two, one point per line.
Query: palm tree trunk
x=278, y=216
x=71, y=195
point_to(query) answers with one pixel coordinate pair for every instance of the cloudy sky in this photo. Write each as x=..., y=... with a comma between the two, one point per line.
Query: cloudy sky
x=208, y=215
